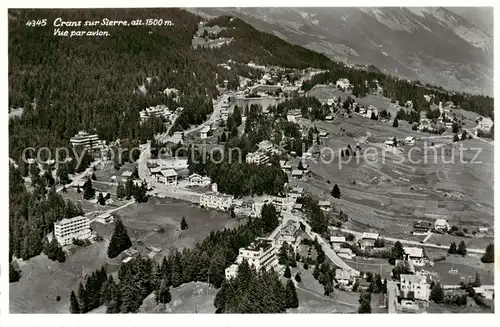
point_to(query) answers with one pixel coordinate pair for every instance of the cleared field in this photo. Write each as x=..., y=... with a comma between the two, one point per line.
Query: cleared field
x=389, y=191
x=467, y=267
x=106, y=171
x=42, y=280
x=194, y=297
x=142, y=219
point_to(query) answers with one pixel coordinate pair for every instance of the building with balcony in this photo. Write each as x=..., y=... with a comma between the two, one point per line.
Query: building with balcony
x=216, y=201
x=257, y=158
x=86, y=141
x=68, y=229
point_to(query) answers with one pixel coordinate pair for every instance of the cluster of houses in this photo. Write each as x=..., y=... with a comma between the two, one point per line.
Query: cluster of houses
x=261, y=156
x=424, y=227
x=166, y=170
x=161, y=111
x=263, y=253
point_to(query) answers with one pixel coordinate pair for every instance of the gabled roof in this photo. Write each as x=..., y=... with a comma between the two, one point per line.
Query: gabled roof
x=337, y=239
x=168, y=172
x=372, y=236
x=414, y=252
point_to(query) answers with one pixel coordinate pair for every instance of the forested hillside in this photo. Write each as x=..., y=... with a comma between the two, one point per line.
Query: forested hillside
x=91, y=83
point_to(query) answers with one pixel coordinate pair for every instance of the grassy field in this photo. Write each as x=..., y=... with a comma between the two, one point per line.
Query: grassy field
x=42, y=280
x=467, y=267
x=390, y=194
x=143, y=219
x=195, y=297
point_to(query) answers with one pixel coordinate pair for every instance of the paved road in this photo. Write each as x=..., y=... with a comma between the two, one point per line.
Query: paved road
x=479, y=138
x=403, y=241
x=216, y=114
x=79, y=176
x=324, y=245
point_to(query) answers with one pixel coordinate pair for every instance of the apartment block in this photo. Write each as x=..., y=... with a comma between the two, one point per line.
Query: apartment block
x=70, y=228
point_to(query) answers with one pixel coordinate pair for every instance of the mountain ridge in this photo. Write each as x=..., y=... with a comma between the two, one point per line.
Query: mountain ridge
x=434, y=45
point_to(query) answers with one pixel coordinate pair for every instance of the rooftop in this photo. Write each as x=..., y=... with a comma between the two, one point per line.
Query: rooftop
x=414, y=279
x=324, y=203
x=168, y=172
x=414, y=251
x=260, y=244
x=205, y=129
x=372, y=236
x=69, y=220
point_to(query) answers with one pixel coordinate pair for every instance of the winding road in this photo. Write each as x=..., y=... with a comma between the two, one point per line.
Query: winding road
x=404, y=241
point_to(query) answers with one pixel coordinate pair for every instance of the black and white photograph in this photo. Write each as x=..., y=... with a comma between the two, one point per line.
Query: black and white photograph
x=249, y=160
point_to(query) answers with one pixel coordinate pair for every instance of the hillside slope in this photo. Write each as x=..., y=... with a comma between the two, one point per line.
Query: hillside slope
x=437, y=45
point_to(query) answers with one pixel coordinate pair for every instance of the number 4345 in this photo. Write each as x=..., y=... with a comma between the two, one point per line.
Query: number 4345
x=39, y=22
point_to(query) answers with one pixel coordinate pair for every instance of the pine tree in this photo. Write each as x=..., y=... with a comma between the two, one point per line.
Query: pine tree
x=119, y=241
x=292, y=300
x=395, y=123
x=437, y=294
x=120, y=190
x=397, y=253
x=184, y=224
x=74, y=307
x=88, y=190
x=336, y=191
x=365, y=303
x=82, y=298
x=287, y=273
x=306, y=266
x=298, y=278
x=94, y=177
x=453, y=248
x=489, y=255
x=163, y=293
x=14, y=274
x=462, y=249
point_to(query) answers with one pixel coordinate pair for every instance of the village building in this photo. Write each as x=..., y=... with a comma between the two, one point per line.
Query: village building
x=198, y=180
x=175, y=163
x=413, y=287
x=410, y=140
x=126, y=175
x=217, y=201
x=293, y=115
x=337, y=242
x=367, y=241
x=205, y=132
x=231, y=271
x=265, y=146
x=261, y=254
x=286, y=167
x=484, y=124
x=344, y=277
x=324, y=205
x=256, y=211
x=415, y=255
x=68, y=229
x=441, y=225
x=105, y=218
x=86, y=141
x=345, y=253
x=297, y=173
x=167, y=177
x=290, y=234
x=343, y=84
x=257, y=158
x=421, y=227
x=157, y=111
x=177, y=137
